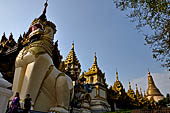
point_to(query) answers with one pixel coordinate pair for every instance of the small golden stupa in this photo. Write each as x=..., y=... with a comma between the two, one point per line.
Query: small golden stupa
x=131, y=93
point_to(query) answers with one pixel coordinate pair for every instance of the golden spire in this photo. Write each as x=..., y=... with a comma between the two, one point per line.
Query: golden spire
x=136, y=87
x=137, y=92
x=95, y=59
x=117, y=76
x=43, y=16
x=73, y=45
x=3, y=39
x=130, y=92
x=141, y=92
x=94, y=71
x=130, y=85
x=149, y=73
x=71, y=56
x=45, y=7
x=144, y=93
x=94, y=68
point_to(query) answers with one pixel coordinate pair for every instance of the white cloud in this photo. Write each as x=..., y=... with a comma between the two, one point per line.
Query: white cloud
x=162, y=82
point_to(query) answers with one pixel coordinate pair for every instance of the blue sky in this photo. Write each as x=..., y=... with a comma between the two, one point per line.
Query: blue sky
x=94, y=26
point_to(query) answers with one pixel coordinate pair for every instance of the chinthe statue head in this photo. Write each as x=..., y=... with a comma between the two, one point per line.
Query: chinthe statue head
x=41, y=28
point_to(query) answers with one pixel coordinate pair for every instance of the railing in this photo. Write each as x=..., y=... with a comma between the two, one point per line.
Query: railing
x=162, y=110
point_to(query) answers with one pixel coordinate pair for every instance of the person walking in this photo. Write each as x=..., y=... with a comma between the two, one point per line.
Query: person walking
x=27, y=103
x=15, y=103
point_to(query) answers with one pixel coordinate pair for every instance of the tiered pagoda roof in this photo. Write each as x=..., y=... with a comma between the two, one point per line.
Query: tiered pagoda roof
x=130, y=92
x=117, y=87
x=72, y=58
x=95, y=70
x=72, y=65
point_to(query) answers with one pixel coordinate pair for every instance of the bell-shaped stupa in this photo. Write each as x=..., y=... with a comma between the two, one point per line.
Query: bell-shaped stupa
x=153, y=91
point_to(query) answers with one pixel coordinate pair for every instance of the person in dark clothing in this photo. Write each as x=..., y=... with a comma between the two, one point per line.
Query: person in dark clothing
x=27, y=103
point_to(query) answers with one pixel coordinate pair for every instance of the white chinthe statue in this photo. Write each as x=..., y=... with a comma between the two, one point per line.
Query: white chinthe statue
x=35, y=73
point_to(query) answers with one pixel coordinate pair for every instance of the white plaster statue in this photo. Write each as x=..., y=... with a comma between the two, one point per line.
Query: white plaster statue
x=35, y=73
x=5, y=94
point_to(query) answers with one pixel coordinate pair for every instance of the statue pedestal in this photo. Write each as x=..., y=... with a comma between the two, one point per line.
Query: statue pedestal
x=81, y=110
x=5, y=94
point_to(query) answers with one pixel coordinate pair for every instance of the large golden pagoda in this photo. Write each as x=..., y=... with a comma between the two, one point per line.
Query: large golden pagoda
x=153, y=91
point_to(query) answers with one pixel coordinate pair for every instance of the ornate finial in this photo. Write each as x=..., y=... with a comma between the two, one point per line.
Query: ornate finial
x=144, y=93
x=95, y=58
x=73, y=45
x=45, y=6
x=20, y=39
x=141, y=92
x=4, y=34
x=136, y=87
x=43, y=16
x=56, y=43
x=3, y=39
x=129, y=85
x=117, y=76
x=148, y=72
x=10, y=36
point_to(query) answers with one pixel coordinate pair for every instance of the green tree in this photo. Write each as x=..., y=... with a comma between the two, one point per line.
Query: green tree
x=155, y=15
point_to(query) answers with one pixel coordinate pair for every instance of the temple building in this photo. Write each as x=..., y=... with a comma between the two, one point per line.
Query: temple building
x=99, y=87
x=94, y=79
x=152, y=91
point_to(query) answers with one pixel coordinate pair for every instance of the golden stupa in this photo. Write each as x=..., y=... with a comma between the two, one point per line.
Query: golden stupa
x=153, y=91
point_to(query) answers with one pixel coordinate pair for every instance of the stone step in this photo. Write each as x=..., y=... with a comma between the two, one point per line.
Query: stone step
x=32, y=111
